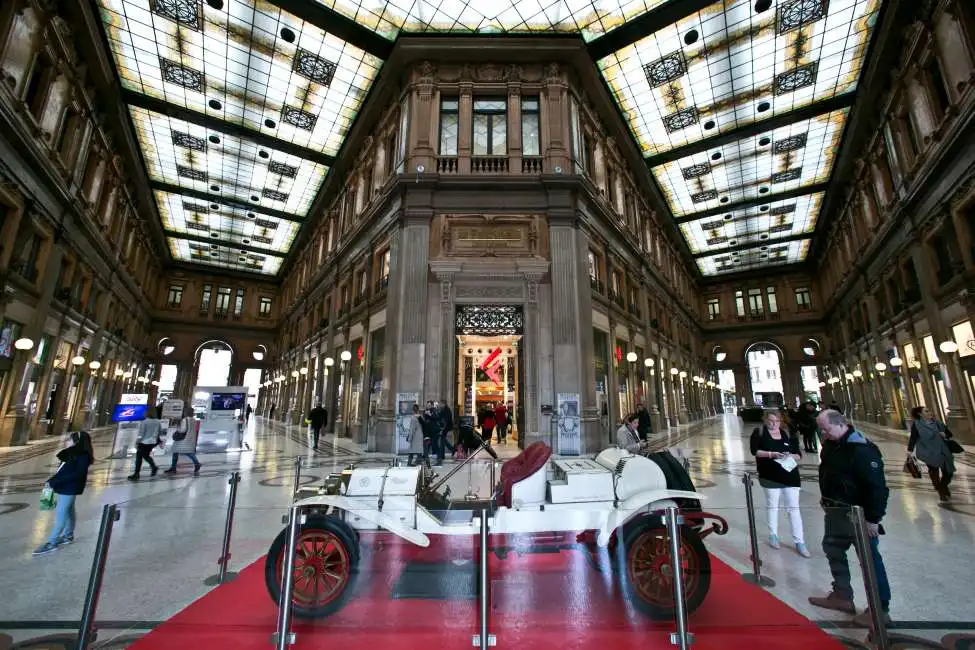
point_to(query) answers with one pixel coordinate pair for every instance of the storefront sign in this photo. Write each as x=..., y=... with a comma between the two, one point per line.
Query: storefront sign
x=134, y=398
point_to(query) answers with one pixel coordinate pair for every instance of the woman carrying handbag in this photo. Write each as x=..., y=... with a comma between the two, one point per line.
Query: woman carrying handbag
x=68, y=483
x=184, y=442
x=929, y=443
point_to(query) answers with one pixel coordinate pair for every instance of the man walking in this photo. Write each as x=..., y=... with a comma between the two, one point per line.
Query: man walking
x=446, y=429
x=318, y=418
x=851, y=473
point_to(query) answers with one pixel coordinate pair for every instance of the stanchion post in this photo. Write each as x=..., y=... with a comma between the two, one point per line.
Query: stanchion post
x=681, y=638
x=284, y=636
x=484, y=640
x=88, y=633
x=756, y=576
x=297, y=476
x=867, y=568
x=223, y=561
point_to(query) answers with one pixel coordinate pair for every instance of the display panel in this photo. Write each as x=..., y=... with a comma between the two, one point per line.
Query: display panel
x=129, y=412
x=730, y=65
x=227, y=401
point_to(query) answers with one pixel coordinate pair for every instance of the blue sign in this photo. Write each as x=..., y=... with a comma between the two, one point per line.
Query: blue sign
x=129, y=412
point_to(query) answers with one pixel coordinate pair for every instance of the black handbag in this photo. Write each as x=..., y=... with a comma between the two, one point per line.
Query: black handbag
x=954, y=447
x=912, y=467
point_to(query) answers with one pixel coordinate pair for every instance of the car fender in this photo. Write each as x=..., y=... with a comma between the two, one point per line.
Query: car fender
x=369, y=514
x=638, y=503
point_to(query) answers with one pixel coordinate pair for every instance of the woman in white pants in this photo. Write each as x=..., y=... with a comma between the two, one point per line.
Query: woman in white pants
x=777, y=456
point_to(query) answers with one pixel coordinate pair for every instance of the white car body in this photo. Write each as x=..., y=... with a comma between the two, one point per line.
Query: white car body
x=566, y=494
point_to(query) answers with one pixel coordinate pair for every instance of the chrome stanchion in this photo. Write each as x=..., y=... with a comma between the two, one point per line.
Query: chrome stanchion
x=223, y=561
x=483, y=640
x=87, y=633
x=297, y=476
x=867, y=568
x=756, y=576
x=681, y=638
x=284, y=636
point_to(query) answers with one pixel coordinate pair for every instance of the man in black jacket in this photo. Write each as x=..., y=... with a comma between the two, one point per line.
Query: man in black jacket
x=318, y=418
x=851, y=473
x=645, y=424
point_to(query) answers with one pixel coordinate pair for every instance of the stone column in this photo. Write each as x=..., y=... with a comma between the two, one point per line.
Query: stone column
x=465, y=118
x=447, y=385
x=514, y=122
x=82, y=414
x=532, y=358
x=363, y=430
x=612, y=379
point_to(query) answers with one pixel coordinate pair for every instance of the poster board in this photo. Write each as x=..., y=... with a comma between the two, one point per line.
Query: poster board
x=172, y=412
x=404, y=411
x=569, y=438
x=221, y=408
x=127, y=431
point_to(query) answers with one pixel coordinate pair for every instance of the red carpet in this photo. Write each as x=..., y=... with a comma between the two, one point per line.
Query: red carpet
x=541, y=601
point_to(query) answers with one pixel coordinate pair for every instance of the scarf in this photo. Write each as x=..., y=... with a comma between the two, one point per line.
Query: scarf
x=929, y=428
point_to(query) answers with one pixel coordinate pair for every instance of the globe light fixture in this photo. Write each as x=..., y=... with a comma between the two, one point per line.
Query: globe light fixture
x=127, y=374
x=329, y=362
x=648, y=363
x=304, y=370
x=822, y=384
x=683, y=374
x=631, y=357
x=95, y=365
x=154, y=383
x=849, y=377
x=896, y=362
x=720, y=356
x=295, y=374
x=674, y=371
x=78, y=361
x=24, y=343
x=168, y=350
x=880, y=366
x=346, y=355
x=119, y=372
x=857, y=373
x=258, y=356
x=948, y=347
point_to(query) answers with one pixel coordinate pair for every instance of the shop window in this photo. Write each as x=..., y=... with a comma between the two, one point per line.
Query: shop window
x=490, y=127
x=449, y=118
x=175, y=297
x=530, y=127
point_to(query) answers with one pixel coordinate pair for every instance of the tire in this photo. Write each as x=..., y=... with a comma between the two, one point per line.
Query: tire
x=324, y=543
x=645, y=568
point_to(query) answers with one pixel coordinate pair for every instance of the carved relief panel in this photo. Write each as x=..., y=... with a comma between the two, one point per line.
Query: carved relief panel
x=490, y=236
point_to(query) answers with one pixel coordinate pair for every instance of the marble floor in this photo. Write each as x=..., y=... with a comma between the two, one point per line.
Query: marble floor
x=168, y=538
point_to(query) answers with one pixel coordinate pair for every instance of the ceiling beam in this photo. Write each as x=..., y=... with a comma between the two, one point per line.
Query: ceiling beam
x=171, y=110
x=223, y=243
x=771, y=198
x=338, y=25
x=223, y=200
x=644, y=25
x=758, y=244
x=755, y=128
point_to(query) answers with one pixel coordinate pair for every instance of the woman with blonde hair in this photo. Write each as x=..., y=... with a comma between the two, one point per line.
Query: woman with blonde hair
x=777, y=456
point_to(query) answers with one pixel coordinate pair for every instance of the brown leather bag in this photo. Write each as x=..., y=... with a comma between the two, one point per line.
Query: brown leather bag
x=912, y=467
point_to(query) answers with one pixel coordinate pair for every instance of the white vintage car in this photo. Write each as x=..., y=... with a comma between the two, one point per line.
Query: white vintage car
x=604, y=506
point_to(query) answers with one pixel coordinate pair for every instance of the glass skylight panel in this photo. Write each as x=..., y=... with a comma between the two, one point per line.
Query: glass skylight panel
x=184, y=250
x=248, y=63
x=590, y=19
x=729, y=65
x=777, y=254
x=193, y=157
x=766, y=164
x=760, y=225
x=222, y=224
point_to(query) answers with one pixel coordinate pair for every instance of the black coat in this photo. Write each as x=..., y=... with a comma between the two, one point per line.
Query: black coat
x=851, y=473
x=644, y=425
x=318, y=417
x=447, y=418
x=72, y=476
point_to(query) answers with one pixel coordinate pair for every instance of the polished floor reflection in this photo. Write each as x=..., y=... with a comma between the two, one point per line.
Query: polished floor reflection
x=168, y=539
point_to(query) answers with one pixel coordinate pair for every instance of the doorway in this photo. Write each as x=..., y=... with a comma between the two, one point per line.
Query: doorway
x=490, y=366
x=764, y=366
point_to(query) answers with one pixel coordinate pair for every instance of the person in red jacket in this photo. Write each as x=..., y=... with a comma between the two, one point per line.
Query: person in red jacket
x=501, y=422
x=487, y=422
x=68, y=482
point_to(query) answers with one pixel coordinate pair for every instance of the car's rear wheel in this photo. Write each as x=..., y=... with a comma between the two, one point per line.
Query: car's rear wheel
x=326, y=558
x=647, y=572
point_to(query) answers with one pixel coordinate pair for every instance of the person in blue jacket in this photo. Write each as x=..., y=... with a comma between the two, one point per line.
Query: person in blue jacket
x=68, y=482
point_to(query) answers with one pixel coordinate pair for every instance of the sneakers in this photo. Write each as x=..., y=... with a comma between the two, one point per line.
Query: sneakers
x=865, y=619
x=773, y=541
x=802, y=550
x=45, y=548
x=132, y=477
x=154, y=470
x=834, y=602
x=196, y=470
x=171, y=470
x=64, y=541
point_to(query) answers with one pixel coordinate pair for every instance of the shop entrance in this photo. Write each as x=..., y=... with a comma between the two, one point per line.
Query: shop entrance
x=490, y=366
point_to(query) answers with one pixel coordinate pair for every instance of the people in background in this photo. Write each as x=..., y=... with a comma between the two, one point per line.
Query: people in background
x=628, y=435
x=645, y=424
x=430, y=420
x=270, y=413
x=68, y=483
x=414, y=437
x=851, y=473
x=184, y=441
x=149, y=437
x=835, y=406
x=777, y=457
x=446, y=417
x=318, y=418
x=247, y=413
x=487, y=422
x=928, y=443
x=806, y=425
x=501, y=422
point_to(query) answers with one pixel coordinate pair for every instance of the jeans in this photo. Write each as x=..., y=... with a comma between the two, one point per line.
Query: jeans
x=315, y=434
x=502, y=432
x=837, y=540
x=143, y=452
x=192, y=457
x=791, y=497
x=444, y=445
x=64, y=518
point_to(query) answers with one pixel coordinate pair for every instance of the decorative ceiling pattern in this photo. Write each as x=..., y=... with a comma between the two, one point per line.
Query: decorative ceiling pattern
x=262, y=101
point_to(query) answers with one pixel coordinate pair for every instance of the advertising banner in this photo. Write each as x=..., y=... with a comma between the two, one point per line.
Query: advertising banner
x=126, y=434
x=134, y=398
x=222, y=408
x=172, y=411
x=404, y=411
x=569, y=439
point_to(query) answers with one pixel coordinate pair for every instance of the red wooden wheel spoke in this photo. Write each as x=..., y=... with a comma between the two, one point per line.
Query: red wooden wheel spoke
x=322, y=568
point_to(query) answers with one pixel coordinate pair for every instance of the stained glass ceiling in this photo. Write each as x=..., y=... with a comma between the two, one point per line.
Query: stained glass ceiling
x=739, y=106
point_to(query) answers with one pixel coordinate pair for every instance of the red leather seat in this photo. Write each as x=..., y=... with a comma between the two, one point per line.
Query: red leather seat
x=529, y=461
